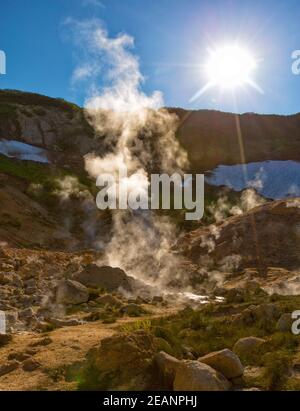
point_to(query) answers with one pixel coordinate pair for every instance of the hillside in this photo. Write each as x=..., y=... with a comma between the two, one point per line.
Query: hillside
x=210, y=137
x=46, y=122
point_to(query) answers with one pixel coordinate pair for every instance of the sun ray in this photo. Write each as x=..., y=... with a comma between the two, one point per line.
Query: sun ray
x=255, y=85
x=228, y=68
x=201, y=91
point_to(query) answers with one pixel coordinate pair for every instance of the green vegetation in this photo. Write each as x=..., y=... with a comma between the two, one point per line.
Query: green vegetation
x=211, y=329
x=33, y=99
x=7, y=110
x=42, y=180
x=30, y=171
x=144, y=325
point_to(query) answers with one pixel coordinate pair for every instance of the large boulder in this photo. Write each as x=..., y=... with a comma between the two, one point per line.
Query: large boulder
x=5, y=339
x=133, y=310
x=196, y=376
x=121, y=362
x=248, y=345
x=266, y=312
x=106, y=277
x=8, y=367
x=224, y=361
x=109, y=300
x=68, y=322
x=284, y=324
x=167, y=367
x=71, y=292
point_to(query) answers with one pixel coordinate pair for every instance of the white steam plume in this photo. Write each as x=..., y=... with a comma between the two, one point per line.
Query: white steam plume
x=139, y=135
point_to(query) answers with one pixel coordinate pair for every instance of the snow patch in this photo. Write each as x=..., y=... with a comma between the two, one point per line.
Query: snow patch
x=23, y=151
x=272, y=179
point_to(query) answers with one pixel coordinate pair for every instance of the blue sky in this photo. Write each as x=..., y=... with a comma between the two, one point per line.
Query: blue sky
x=171, y=41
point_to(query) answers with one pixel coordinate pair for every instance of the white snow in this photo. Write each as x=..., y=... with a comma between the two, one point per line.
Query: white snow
x=23, y=151
x=272, y=179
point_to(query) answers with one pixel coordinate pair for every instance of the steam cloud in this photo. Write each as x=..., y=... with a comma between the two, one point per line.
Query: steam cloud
x=137, y=134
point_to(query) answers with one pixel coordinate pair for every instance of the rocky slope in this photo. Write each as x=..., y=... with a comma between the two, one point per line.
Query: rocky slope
x=210, y=137
x=45, y=122
x=267, y=235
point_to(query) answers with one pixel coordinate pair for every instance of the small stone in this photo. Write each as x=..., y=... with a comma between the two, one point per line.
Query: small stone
x=44, y=341
x=108, y=299
x=26, y=314
x=5, y=339
x=30, y=365
x=157, y=299
x=19, y=356
x=11, y=317
x=65, y=323
x=8, y=367
x=132, y=310
x=30, y=283
x=285, y=322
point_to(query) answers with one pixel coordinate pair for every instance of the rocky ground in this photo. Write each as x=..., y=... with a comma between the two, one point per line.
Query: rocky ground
x=70, y=318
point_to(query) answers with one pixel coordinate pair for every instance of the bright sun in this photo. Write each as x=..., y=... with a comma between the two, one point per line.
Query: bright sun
x=230, y=67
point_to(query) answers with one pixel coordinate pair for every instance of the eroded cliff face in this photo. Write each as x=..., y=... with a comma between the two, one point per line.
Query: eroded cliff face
x=53, y=124
x=266, y=236
x=210, y=137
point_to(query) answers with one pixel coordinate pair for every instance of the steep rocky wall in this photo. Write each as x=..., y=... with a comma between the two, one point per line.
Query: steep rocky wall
x=51, y=123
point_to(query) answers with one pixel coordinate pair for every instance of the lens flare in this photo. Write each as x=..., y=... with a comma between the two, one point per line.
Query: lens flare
x=230, y=67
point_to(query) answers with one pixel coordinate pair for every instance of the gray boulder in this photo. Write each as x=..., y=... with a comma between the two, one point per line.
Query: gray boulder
x=224, y=361
x=247, y=345
x=8, y=367
x=69, y=322
x=106, y=277
x=26, y=314
x=167, y=367
x=109, y=300
x=196, y=376
x=71, y=292
x=285, y=322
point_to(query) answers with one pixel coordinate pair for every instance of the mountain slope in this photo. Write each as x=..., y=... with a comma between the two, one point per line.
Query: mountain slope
x=211, y=138
x=266, y=236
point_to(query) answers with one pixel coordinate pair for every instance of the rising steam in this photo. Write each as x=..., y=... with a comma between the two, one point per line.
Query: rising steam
x=136, y=134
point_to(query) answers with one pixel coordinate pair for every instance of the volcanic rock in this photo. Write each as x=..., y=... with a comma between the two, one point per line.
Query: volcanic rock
x=224, y=361
x=106, y=277
x=196, y=376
